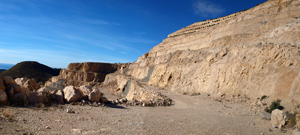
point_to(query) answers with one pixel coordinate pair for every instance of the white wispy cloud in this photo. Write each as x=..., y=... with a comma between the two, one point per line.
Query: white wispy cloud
x=100, y=22
x=205, y=9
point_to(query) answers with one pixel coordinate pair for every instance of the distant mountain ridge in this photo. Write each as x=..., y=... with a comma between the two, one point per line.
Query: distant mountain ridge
x=31, y=69
x=6, y=66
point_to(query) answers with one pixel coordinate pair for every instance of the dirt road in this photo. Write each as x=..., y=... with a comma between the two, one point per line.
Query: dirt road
x=189, y=115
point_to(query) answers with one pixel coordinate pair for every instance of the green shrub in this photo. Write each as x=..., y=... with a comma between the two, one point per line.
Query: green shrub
x=274, y=105
x=263, y=97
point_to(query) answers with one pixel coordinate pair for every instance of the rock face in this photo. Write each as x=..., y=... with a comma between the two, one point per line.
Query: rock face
x=78, y=74
x=278, y=118
x=251, y=53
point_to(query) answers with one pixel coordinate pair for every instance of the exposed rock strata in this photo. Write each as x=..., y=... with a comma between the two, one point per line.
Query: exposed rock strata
x=251, y=53
x=87, y=73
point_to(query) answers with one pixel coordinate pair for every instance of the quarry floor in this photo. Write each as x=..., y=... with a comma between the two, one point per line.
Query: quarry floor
x=189, y=115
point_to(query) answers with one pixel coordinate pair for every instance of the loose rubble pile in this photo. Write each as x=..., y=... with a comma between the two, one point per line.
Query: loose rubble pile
x=23, y=92
x=149, y=103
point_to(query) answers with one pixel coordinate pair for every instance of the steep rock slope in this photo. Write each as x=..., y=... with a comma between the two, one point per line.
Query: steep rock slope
x=251, y=53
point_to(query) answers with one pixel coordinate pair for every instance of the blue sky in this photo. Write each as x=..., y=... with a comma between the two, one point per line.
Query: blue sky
x=58, y=32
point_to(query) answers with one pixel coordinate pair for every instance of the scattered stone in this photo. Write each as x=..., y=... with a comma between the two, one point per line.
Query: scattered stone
x=72, y=94
x=47, y=127
x=265, y=115
x=78, y=131
x=278, y=118
x=95, y=104
x=296, y=132
x=70, y=110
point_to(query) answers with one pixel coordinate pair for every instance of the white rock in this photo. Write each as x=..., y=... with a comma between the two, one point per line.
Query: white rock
x=278, y=118
x=72, y=94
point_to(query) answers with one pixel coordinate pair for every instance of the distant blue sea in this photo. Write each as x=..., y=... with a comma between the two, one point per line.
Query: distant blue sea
x=5, y=66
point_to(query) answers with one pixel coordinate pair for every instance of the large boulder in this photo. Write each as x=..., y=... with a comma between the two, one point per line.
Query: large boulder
x=10, y=92
x=86, y=90
x=95, y=95
x=34, y=98
x=21, y=81
x=8, y=80
x=20, y=99
x=58, y=96
x=72, y=94
x=278, y=118
x=3, y=97
x=30, y=84
x=18, y=89
x=2, y=87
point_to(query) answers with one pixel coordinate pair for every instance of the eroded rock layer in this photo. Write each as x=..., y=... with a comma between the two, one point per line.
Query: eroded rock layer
x=78, y=74
x=251, y=53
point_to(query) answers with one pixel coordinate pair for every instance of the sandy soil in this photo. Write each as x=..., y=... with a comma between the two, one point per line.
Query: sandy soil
x=188, y=115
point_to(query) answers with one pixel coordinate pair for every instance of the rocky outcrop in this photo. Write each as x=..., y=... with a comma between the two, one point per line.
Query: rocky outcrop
x=88, y=73
x=134, y=90
x=253, y=53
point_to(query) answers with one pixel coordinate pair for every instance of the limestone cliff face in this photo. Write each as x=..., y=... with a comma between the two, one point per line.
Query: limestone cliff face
x=85, y=73
x=252, y=53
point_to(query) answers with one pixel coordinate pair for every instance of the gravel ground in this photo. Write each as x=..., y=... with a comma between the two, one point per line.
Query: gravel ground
x=188, y=115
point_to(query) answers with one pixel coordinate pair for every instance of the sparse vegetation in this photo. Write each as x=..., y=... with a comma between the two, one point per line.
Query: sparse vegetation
x=263, y=97
x=275, y=105
x=196, y=94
